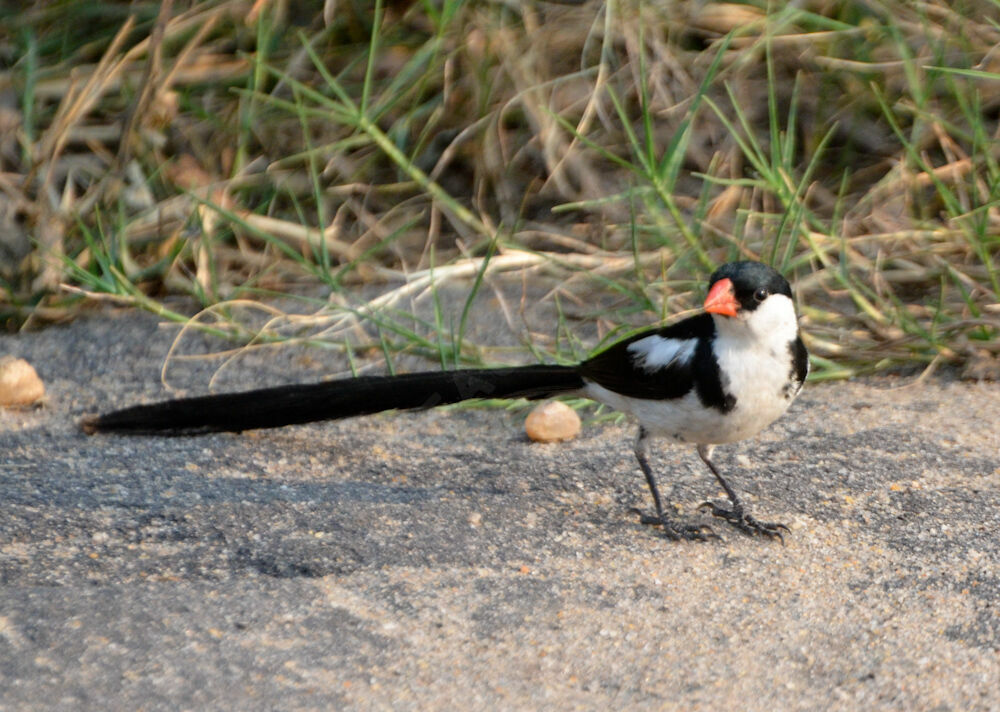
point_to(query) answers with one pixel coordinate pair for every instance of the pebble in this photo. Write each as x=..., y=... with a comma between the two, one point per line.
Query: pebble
x=19, y=383
x=552, y=421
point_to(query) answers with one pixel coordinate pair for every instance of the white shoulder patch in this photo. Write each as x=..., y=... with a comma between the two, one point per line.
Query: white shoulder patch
x=655, y=352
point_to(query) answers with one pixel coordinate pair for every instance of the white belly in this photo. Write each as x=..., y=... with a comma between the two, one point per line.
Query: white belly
x=760, y=400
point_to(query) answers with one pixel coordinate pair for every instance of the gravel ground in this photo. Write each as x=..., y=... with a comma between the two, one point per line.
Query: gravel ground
x=441, y=561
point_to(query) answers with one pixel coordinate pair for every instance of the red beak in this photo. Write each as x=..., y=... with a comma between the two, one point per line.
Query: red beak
x=721, y=299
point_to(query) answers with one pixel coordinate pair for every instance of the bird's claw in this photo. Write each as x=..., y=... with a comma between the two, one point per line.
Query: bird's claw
x=675, y=531
x=746, y=522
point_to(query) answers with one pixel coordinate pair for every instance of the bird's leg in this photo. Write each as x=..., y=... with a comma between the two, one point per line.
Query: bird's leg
x=738, y=516
x=670, y=528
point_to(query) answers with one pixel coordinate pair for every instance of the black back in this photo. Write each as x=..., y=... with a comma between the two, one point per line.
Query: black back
x=615, y=367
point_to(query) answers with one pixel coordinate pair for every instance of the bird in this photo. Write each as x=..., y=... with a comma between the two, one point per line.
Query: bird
x=716, y=377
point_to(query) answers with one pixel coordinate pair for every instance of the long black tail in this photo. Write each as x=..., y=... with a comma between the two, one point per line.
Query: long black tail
x=287, y=405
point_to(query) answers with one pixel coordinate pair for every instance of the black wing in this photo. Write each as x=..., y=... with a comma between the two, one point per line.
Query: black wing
x=616, y=369
x=800, y=362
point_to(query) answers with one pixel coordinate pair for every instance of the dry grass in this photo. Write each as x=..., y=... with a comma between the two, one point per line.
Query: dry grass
x=228, y=149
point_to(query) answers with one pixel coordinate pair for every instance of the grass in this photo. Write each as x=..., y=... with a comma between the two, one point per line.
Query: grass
x=254, y=152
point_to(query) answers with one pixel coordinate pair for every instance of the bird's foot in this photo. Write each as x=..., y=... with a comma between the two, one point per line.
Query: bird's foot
x=674, y=530
x=746, y=522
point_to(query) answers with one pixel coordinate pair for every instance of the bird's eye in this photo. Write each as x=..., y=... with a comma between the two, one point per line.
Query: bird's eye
x=760, y=295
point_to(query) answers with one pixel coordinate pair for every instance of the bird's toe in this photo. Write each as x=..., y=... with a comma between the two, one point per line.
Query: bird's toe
x=747, y=523
x=676, y=530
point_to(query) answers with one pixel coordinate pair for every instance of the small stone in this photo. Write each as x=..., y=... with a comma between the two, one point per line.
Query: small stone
x=19, y=384
x=551, y=422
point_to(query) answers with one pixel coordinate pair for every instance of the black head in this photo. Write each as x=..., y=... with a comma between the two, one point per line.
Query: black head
x=753, y=282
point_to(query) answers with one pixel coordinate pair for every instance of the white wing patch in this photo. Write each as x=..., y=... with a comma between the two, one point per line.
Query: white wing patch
x=655, y=352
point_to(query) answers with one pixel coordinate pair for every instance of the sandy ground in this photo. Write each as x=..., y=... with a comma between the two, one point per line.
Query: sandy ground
x=441, y=561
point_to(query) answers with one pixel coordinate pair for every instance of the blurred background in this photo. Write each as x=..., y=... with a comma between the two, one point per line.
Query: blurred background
x=361, y=173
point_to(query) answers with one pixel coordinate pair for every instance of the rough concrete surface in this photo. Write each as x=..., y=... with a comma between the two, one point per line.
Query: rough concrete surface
x=439, y=560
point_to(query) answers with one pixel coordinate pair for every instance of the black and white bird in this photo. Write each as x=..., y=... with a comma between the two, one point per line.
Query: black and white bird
x=717, y=377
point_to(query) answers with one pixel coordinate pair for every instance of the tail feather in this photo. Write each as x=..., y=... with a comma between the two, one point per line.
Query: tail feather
x=288, y=405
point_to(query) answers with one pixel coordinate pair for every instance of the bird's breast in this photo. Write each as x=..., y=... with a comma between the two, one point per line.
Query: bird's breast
x=760, y=382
